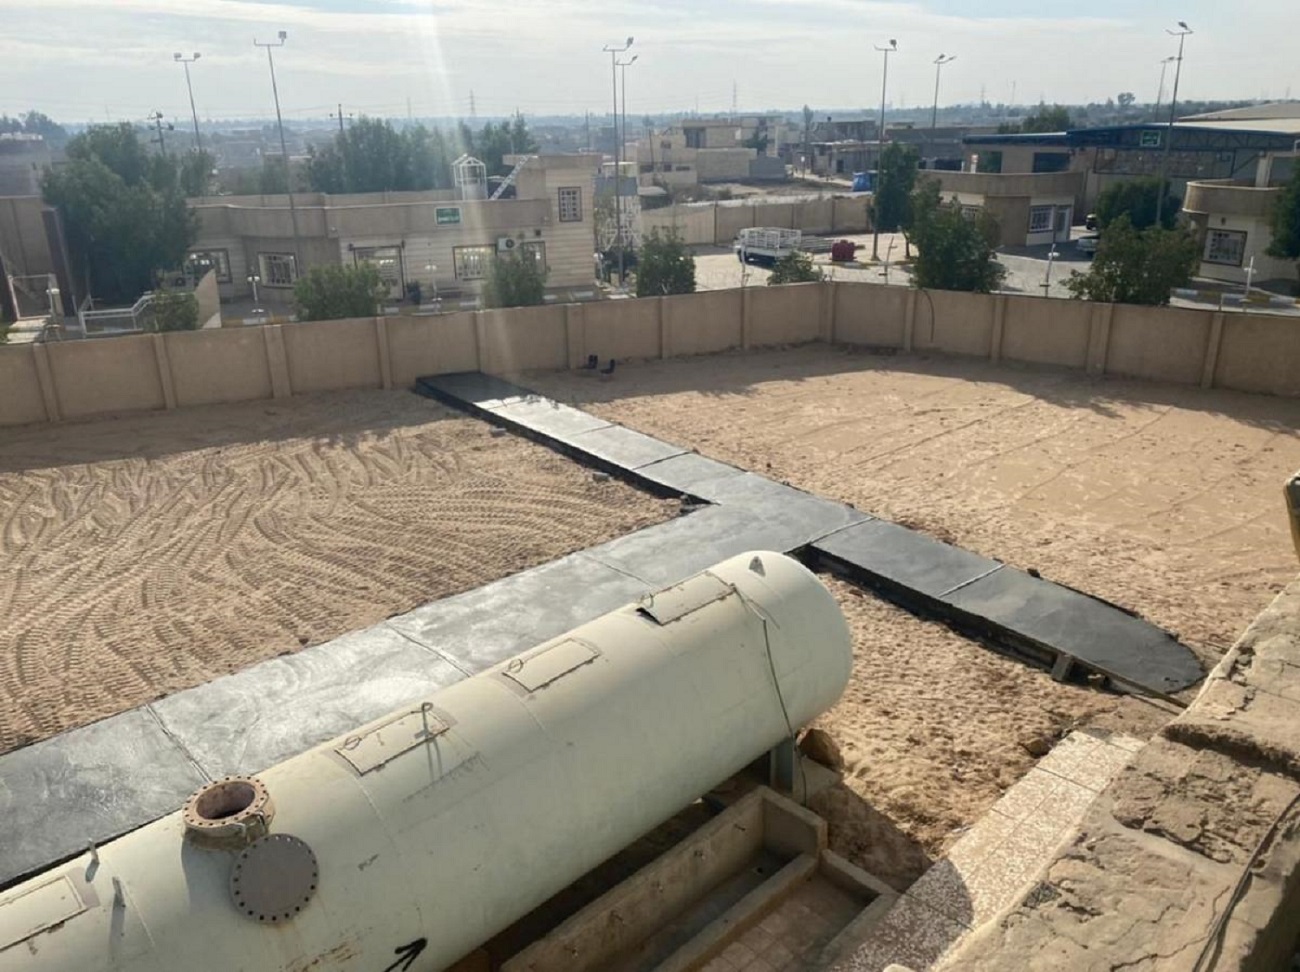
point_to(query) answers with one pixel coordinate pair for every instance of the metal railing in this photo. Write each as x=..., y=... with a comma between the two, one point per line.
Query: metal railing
x=115, y=320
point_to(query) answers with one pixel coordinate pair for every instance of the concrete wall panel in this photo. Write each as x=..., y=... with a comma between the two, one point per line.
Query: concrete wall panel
x=524, y=338
x=329, y=355
x=1046, y=331
x=870, y=314
x=958, y=323
x=20, y=389
x=789, y=314
x=621, y=329
x=108, y=375
x=702, y=323
x=1162, y=343
x=437, y=345
x=1259, y=353
x=221, y=365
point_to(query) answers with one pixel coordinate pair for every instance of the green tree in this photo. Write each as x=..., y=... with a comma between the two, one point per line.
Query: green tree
x=174, y=310
x=1045, y=119
x=515, y=280
x=124, y=213
x=895, y=181
x=1134, y=266
x=1136, y=199
x=796, y=267
x=1126, y=100
x=665, y=266
x=954, y=251
x=332, y=293
x=1286, y=221
x=196, y=173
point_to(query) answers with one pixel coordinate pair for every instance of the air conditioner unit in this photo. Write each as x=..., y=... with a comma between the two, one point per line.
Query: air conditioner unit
x=506, y=244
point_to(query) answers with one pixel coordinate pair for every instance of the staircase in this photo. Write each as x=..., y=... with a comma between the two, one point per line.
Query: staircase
x=509, y=180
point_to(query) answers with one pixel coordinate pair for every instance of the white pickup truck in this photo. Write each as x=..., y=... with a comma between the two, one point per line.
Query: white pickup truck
x=764, y=245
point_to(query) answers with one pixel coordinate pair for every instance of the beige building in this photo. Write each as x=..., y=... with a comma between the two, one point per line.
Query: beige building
x=1235, y=218
x=1031, y=209
x=707, y=150
x=443, y=240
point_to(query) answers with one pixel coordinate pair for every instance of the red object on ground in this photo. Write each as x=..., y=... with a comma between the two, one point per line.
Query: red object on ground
x=842, y=251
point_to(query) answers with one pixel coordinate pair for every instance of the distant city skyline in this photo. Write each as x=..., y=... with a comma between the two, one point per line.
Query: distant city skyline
x=92, y=60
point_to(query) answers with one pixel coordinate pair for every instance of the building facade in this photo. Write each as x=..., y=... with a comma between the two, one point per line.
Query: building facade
x=1031, y=209
x=437, y=239
x=699, y=151
x=1234, y=219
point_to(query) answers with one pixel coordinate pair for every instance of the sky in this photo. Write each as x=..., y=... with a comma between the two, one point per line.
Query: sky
x=92, y=60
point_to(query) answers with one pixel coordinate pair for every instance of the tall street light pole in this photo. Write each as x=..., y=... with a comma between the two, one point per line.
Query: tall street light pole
x=613, y=53
x=1181, y=34
x=939, y=62
x=623, y=66
x=1164, y=67
x=187, y=61
x=284, y=150
x=890, y=48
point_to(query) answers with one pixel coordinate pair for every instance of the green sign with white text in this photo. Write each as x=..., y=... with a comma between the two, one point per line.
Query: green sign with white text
x=447, y=214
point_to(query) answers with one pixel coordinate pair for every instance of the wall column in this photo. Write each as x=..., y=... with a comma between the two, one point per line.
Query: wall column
x=663, y=328
x=999, y=322
x=164, y=371
x=909, y=320
x=277, y=360
x=1099, y=338
x=826, y=329
x=1212, y=347
x=573, y=335
x=45, y=378
x=744, y=317
x=385, y=362
x=480, y=342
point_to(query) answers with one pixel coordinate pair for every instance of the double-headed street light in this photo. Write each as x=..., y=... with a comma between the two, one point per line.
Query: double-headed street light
x=890, y=48
x=1181, y=34
x=187, y=61
x=613, y=52
x=939, y=62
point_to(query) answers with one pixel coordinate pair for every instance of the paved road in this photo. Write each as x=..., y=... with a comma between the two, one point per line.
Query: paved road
x=716, y=268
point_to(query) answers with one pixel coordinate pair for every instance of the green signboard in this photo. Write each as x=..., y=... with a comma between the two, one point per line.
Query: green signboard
x=1150, y=139
x=447, y=214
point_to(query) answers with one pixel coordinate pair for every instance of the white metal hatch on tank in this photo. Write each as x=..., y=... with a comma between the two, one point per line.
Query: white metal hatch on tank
x=411, y=841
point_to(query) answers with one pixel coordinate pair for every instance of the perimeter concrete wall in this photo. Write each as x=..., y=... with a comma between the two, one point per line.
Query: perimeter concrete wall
x=717, y=224
x=77, y=379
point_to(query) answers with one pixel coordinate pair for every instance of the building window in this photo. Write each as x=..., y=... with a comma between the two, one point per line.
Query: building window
x=387, y=260
x=472, y=262
x=1040, y=219
x=535, y=251
x=1051, y=161
x=1227, y=247
x=694, y=138
x=277, y=269
x=570, y=205
x=972, y=212
x=199, y=262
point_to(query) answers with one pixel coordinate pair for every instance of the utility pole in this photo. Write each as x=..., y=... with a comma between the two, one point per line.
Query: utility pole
x=340, y=116
x=624, y=65
x=734, y=101
x=613, y=53
x=890, y=48
x=587, y=126
x=284, y=150
x=939, y=62
x=1181, y=34
x=473, y=110
x=187, y=61
x=157, y=118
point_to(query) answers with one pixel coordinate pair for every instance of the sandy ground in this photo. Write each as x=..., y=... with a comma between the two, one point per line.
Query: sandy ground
x=1164, y=499
x=143, y=555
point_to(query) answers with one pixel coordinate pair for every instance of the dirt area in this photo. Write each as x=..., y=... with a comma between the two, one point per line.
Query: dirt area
x=144, y=555
x=1163, y=499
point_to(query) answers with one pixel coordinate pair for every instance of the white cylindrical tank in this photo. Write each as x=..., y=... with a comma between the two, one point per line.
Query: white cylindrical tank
x=423, y=834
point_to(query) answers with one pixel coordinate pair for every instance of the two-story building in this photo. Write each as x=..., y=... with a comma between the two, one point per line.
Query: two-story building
x=704, y=150
x=444, y=240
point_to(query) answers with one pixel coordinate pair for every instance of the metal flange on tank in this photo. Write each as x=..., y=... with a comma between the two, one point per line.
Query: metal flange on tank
x=275, y=875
